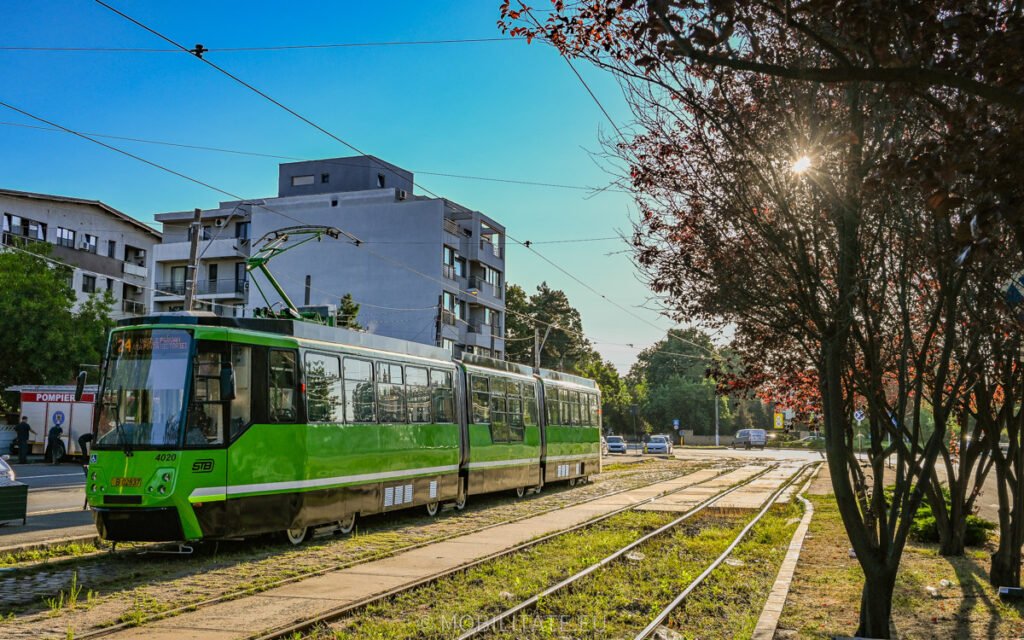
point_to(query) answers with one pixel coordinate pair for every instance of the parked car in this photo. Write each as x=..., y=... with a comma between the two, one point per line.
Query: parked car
x=750, y=438
x=604, y=446
x=5, y=468
x=616, y=444
x=658, y=444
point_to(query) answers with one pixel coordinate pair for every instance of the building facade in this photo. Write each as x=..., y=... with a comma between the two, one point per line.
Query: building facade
x=424, y=269
x=109, y=250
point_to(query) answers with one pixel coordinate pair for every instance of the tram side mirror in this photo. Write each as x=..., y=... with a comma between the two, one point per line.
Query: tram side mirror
x=80, y=386
x=227, y=382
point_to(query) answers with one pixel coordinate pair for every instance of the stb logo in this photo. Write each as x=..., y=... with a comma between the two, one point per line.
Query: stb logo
x=202, y=466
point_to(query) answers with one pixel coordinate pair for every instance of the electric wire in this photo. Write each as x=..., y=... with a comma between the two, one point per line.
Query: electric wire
x=283, y=47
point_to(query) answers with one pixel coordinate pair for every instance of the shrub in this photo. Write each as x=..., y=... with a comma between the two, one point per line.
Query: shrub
x=926, y=529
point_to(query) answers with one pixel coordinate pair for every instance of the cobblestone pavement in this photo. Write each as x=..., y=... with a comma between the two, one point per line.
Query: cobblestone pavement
x=126, y=586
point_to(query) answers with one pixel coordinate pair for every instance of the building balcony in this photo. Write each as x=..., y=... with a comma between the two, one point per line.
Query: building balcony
x=486, y=246
x=134, y=307
x=11, y=239
x=230, y=286
x=137, y=270
x=452, y=227
x=448, y=317
x=211, y=250
x=485, y=329
x=166, y=290
x=484, y=287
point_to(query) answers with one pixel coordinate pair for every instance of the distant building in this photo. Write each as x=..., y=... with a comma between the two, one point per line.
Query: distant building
x=427, y=270
x=108, y=249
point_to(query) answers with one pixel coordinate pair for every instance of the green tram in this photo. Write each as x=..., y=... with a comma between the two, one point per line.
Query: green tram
x=211, y=428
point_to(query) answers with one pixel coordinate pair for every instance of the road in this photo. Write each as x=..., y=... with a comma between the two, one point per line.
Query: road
x=56, y=494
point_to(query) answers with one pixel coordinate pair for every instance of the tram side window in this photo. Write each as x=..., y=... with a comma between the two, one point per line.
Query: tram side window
x=595, y=410
x=283, y=375
x=390, y=392
x=577, y=414
x=499, y=415
x=530, y=405
x=551, y=405
x=359, y=402
x=417, y=394
x=565, y=402
x=241, y=406
x=586, y=409
x=441, y=395
x=323, y=388
x=514, y=406
x=481, y=399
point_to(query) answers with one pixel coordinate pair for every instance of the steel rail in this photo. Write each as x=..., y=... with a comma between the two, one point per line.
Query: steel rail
x=299, y=628
x=233, y=595
x=649, y=630
x=529, y=602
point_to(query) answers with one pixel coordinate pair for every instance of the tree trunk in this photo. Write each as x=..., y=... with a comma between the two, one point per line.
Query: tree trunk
x=876, y=604
x=951, y=541
x=1005, y=568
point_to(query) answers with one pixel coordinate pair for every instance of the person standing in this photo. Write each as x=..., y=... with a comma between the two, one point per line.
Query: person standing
x=22, y=430
x=51, y=441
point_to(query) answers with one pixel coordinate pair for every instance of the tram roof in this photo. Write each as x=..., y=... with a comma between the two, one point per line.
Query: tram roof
x=296, y=329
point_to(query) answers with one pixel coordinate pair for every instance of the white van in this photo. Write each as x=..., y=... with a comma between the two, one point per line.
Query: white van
x=750, y=438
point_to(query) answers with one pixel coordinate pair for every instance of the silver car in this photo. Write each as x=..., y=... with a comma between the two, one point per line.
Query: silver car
x=5, y=468
x=658, y=444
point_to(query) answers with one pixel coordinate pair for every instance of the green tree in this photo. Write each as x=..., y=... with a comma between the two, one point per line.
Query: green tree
x=45, y=341
x=565, y=348
x=518, y=327
x=348, y=313
x=615, y=395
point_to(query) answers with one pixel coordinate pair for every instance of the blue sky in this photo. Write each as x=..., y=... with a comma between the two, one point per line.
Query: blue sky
x=498, y=109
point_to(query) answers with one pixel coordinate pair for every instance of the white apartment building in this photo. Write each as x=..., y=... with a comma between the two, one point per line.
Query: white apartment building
x=108, y=249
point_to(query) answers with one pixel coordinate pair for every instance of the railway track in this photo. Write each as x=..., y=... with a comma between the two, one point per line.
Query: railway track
x=306, y=626
x=110, y=630
x=648, y=631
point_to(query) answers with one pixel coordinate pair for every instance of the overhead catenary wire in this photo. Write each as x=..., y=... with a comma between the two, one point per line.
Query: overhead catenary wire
x=280, y=47
x=276, y=156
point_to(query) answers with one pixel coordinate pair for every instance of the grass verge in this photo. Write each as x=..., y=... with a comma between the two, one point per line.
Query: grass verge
x=824, y=598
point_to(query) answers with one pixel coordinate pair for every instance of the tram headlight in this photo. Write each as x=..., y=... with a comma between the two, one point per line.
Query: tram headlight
x=94, y=477
x=93, y=487
x=167, y=477
x=162, y=489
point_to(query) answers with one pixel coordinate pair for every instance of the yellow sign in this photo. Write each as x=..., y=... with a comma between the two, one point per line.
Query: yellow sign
x=780, y=420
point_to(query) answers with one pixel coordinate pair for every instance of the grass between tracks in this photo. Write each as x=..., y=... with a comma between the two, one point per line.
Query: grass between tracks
x=611, y=602
x=824, y=598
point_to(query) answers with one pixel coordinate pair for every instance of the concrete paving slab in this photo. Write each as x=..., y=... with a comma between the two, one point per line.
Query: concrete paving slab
x=318, y=595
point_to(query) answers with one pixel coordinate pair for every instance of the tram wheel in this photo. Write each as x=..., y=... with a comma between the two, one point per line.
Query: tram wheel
x=347, y=524
x=520, y=492
x=460, y=502
x=572, y=482
x=432, y=508
x=297, y=535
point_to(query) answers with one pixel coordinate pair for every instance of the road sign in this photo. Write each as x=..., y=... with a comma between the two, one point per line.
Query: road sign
x=780, y=420
x=675, y=424
x=858, y=415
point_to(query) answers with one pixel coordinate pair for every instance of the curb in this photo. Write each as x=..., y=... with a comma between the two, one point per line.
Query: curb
x=769, y=620
x=50, y=542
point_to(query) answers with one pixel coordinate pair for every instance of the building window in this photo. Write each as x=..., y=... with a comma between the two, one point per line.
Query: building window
x=90, y=243
x=111, y=248
x=110, y=285
x=65, y=237
x=242, y=230
x=302, y=181
x=447, y=343
x=88, y=283
x=325, y=178
x=380, y=180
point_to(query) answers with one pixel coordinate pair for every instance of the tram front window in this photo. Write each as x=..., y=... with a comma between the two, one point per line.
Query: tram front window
x=144, y=389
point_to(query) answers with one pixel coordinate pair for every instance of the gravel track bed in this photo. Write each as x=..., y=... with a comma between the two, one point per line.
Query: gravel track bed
x=127, y=587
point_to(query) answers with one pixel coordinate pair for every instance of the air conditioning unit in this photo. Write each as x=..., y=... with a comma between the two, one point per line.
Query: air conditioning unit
x=84, y=244
x=219, y=223
x=401, y=194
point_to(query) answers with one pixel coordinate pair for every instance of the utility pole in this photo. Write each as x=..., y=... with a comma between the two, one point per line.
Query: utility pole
x=538, y=344
x=193, y=257
x=716, y=419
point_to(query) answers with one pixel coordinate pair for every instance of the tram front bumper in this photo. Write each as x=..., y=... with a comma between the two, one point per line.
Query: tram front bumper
x=161, y=524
